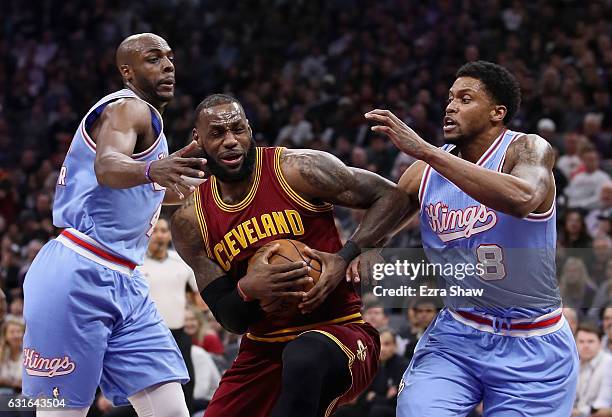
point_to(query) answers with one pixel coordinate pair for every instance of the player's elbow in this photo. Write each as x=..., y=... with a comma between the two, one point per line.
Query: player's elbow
x=522, y=204
x=101, y=170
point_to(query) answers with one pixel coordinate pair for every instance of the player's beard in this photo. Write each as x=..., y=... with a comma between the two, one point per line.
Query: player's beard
x=244, y=172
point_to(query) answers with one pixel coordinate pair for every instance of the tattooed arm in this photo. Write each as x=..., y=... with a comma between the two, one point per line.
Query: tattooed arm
x=526, y=184
x=321, y=177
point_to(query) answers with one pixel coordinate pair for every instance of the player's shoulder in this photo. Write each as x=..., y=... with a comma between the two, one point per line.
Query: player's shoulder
x=529, y=147
x=410, y=181
x=129, y=110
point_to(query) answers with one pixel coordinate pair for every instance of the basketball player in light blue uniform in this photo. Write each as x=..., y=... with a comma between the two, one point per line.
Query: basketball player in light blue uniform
x=488, y=197
x=89, y=318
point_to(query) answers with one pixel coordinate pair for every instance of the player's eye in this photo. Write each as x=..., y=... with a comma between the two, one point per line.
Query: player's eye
x=153, y=60
x=466, y=99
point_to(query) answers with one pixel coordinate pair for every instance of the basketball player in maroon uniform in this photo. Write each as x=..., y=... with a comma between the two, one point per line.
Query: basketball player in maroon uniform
x=325, y=355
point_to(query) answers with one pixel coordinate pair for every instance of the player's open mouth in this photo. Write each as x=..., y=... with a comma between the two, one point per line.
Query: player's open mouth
x=449, y=124
x=232, y=160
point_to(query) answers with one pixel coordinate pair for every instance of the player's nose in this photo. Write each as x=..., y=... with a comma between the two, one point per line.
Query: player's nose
x=168, y=65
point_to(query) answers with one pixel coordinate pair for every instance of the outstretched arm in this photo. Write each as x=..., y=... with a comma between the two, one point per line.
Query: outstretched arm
x=119, y=127
x=321, y=177
x=526, y=185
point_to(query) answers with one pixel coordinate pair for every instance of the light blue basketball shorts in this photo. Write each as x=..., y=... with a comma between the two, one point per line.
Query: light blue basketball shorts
x=459, y=362
x=90, y=322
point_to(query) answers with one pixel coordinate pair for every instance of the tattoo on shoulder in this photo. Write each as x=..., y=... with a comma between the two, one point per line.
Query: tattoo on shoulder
x=532, y=150
x=319, y=170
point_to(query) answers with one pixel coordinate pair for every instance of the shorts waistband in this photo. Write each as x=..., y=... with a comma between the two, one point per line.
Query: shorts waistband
x=90, y=249
x=539, y=326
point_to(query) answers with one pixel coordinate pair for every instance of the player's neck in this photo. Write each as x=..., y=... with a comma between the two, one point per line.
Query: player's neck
x=472, y=149
x=235, y=192
x=159, y=106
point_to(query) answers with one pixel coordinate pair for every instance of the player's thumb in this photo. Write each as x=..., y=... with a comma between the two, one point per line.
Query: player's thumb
x=313, y=253
x=268, y=252
x=190, y=148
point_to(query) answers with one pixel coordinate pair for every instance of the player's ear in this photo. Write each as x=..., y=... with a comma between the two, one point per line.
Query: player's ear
x=126, y=72
x=498, y=113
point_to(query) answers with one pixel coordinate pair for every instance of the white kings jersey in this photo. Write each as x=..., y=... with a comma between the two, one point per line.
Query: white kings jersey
x=517, y=256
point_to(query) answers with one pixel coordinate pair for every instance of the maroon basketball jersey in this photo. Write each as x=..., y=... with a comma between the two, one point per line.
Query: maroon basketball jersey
x=272, y=210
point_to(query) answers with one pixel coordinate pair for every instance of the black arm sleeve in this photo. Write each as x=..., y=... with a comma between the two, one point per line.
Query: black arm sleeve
x=231, y=311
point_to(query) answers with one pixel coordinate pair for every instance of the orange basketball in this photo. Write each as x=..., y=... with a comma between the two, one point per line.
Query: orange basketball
x=290, y=251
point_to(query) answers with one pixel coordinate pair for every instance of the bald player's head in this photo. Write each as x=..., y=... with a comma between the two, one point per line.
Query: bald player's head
x=145, y=62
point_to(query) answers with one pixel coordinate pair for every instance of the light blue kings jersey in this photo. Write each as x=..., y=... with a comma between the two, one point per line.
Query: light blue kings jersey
x=516, y=256
x=121, y=220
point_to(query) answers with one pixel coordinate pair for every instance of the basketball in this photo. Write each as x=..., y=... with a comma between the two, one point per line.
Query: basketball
x=290, y=251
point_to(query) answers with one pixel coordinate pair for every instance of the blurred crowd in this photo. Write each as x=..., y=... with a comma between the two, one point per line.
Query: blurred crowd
x=306, y=71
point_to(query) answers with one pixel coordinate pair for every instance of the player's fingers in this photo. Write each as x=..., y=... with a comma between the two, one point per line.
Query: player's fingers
x=295, y=284
x=295, y=295
x=192, y=162
x=191, y=147
x=382, y=129
x=268, y=252
x=291, y=275
x=184, y=187
x=192, y=173
x=352, y=272
x=287, y=267
x=178, y=192
x=313, y=254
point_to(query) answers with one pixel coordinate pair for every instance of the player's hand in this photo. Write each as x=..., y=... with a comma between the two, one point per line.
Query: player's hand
x=180, y=172
x=406, y=139
x=333, y=269
x=264, y=280
x=360, y=268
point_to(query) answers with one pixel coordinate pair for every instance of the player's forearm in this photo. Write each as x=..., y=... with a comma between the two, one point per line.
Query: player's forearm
x=380, y=222
x=116, y=170
x=501, y=192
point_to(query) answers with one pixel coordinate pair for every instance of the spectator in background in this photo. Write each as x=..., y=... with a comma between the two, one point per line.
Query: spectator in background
x=591, y=128
x=297, y=132
x=604, y=292
x=573, y=238
x=594, y=363
x=168, y=277
x=570, y=161
x=604, y=210
x=11, y=354
x=374, y=314
x=381, y=397
x=606, y=325
x=421, y=313
x=548, y=130
x=602, y=253
x=585, y=187
x=576, y=287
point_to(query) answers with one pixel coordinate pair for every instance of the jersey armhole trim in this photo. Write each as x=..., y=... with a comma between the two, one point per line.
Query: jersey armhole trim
x=291, y=193
x=91, y=144
x=201, y=220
